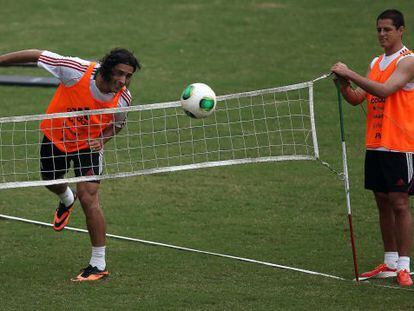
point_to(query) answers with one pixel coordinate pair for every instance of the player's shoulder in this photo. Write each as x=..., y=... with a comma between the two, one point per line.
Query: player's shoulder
x=126, y=98
x=406, y=56
x=54, y=59
x=406, y=52
x=374, y=60
x=406, y=60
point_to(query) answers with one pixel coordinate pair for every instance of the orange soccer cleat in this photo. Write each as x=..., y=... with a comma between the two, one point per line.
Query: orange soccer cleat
x=404, y=278
x=380, y=272
x=62, y=215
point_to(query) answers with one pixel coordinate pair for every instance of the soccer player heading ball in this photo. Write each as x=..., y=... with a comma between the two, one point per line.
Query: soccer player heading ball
x=80, y=140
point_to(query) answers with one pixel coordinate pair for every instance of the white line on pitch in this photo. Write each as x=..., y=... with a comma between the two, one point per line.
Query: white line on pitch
x=179, y=248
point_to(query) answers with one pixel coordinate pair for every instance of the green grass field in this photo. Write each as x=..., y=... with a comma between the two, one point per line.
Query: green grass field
x=288, y=213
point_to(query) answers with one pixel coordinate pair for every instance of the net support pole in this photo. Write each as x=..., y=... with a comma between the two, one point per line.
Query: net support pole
x=346, y=181
x=312, y=119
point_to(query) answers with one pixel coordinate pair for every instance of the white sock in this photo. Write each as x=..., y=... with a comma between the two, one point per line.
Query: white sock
x=391, y=259
x=403, y=263
x=67, y=197
x=98, y=257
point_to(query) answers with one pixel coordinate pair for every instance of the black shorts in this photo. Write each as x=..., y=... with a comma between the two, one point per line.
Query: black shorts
x=54, y=164
x=387, y=171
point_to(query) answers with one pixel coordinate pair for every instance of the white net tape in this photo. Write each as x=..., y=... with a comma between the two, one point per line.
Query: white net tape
x=265, y=125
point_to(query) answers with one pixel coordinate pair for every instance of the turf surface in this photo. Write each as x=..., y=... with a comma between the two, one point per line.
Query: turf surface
x=290, y=213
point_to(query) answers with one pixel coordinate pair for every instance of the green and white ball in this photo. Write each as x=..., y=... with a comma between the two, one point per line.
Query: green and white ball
x=198, y=100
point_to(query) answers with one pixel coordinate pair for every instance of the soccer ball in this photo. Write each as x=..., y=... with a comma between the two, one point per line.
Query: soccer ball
x=198, y=100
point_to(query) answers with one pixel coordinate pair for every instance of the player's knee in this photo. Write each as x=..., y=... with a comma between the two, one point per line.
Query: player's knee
x=401, y=207
x=88, y=198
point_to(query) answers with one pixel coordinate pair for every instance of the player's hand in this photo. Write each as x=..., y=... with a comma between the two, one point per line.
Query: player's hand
x=96, y=144
x=340, y=69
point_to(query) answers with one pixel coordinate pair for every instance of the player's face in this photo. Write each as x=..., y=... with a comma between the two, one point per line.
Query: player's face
x=121, y=76
x=388, y=35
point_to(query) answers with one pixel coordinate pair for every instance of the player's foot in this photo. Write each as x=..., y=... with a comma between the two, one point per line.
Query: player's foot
x=380, y=272
x=404, y=278
x=90, y=274
x=62, y=215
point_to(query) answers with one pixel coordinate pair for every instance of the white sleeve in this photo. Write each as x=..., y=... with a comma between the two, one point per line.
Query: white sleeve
x=373, y=62
x=124, y=101
x=68, y=70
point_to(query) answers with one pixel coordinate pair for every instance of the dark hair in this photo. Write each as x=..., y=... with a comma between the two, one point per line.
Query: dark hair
x=115, y=57
x=396, y=16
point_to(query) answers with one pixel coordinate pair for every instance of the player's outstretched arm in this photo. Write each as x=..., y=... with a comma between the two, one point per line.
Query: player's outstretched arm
x=401, y=76
x=24, y=56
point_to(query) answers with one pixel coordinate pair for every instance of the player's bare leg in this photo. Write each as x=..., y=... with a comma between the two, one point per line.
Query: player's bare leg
x=387, y=221
x=57, y=189
x=403, y=221
x=388, y=232
x=396, y=228
x=403, y=226
x=95, y=221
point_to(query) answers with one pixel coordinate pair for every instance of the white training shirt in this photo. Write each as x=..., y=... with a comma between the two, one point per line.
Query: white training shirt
x=386, y=60
x=69, y=70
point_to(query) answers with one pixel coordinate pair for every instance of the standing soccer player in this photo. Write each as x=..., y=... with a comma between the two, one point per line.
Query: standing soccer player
x=389, y=91
x=80, y=140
